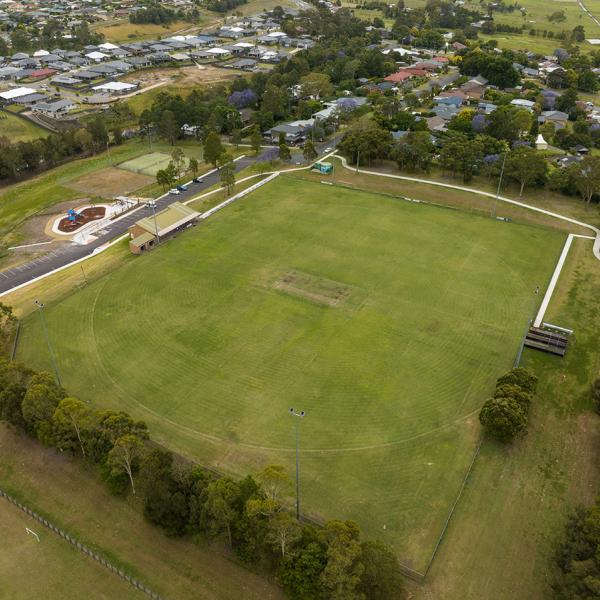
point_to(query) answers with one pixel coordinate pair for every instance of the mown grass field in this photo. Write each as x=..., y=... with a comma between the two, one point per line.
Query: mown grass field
x=50, y=568
x=19, y=129
x=512, y=515
x=387, y=322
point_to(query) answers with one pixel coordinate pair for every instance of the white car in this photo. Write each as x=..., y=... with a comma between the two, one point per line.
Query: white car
x=174, y=191
x=328, y=149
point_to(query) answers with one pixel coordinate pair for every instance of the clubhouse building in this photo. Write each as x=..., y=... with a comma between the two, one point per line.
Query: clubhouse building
x=146, y=232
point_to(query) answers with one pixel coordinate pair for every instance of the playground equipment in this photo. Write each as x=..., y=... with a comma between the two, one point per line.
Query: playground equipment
x=73, y=215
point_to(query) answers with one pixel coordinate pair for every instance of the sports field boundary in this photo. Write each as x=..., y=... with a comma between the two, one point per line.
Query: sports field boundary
x=557, y=270
x=461, y=188
x=453, y=503
x=81, y=547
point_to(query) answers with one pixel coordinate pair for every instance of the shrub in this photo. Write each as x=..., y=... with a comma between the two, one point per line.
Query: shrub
x=503, y=418
x=525, y=379
x=516, y=392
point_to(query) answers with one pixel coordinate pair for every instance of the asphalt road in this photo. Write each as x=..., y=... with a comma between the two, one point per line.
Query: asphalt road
x=66, y=254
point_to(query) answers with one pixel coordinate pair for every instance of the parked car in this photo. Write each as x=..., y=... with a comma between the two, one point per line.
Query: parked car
x=182, y=188
x=174, y=191
x=197, y=180
x=328, y=149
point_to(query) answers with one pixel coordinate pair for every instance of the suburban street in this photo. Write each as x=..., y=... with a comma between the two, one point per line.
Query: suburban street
x=66, y=254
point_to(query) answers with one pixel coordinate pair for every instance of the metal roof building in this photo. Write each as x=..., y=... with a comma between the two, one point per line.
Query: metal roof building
x=145, y=232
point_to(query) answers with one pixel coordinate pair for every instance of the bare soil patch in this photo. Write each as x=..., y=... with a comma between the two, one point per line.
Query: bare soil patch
x=316, y=289
x=110, y=182
x=184, y=76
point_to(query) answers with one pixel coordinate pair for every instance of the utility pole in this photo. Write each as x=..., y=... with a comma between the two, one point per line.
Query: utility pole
x=300, y=415
x=493, y=213
x=153, y=205
x=40, y=307
x=357, y=162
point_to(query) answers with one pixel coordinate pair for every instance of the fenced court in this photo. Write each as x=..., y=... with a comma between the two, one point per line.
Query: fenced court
x=147, y=164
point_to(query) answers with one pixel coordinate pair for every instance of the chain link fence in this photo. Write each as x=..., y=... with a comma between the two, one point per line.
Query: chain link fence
x=82, y=547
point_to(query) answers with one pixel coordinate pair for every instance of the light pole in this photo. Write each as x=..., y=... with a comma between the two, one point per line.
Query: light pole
x=153, y=205
x=529, y=322
x=297, y=422
x=493, y=213
x=40, y=306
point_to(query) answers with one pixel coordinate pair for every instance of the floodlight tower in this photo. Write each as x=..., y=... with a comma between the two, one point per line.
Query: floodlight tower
x=40, y=306
x=493, y=213
x=300, y=415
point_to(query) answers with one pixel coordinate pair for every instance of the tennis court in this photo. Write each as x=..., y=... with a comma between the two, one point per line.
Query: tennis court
x=147, y=164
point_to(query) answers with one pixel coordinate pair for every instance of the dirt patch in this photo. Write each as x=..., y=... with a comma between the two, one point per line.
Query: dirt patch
x=313, y=288
x=110, y=182
x=72, y=223
x=184, y=76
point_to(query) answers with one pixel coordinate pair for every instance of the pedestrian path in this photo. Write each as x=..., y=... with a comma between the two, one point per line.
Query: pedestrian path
x=595, y=230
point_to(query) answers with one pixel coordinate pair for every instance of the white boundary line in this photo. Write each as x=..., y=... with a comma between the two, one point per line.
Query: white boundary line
x=553, y=281
x=565, y=251
x=30, y=245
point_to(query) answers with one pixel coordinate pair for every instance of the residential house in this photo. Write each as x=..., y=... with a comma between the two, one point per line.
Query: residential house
x=556, y=117
x=244, y=64
x=487, y=107
x=436, y=123
x=446, y=111
x=59, y=109
x=550, y=98
x=522, y=103
x=97, y=56
x=452, y=97
x=139, y=62
x=218, y=52
x=295, y=132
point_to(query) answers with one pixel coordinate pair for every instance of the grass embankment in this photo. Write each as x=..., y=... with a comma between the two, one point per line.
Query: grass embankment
x=19, y=129
x=514, y=509
x=376, y=316
x=50, y=568
x=124, y=31
x=75, y=499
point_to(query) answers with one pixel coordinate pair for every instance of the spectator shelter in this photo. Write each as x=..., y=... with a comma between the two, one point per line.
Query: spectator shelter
x=147, y=231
